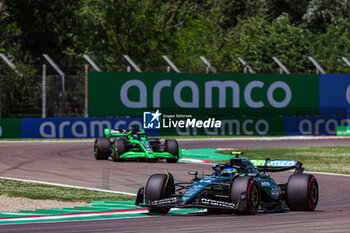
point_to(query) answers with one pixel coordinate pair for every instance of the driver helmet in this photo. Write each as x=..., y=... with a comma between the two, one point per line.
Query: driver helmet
x=229, y=172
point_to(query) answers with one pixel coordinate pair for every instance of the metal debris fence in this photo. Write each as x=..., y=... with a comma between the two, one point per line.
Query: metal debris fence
x=66, y=94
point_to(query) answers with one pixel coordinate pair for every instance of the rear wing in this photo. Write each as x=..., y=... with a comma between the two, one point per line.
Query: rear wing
x=268, y=165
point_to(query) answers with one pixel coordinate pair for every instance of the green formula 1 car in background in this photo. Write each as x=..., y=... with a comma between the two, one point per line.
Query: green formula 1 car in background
x=135, y=145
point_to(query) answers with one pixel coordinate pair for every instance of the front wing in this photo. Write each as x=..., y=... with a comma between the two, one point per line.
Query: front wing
x=147, y=155
x=199, y=203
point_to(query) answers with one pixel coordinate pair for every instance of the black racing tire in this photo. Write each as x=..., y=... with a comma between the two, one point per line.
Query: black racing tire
x=102, y=148
x=119, y=149
x=172, y=147
x=158, y=187
x=302, y=192
x=251, y=187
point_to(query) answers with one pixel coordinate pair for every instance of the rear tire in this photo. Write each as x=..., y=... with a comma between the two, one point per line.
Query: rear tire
x=102, y=148
x=251, y=187
x=119, y=149
x=172, y=147
x=158, y=187
x=302, y=192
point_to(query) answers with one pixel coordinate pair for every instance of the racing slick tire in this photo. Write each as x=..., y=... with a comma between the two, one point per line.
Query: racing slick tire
x=102, y=148
x=302, y=192
x=159, y=186
x=251, y=187
x=119, y=149
x=172, y=147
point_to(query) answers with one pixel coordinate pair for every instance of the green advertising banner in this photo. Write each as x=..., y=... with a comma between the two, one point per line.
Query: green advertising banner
x=10, y=128
x=130, y=94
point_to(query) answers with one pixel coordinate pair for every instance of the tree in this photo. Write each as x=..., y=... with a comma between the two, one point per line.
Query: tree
x=332, y=45
x=257, y=41
x=9, y=33
x=46, y=26
x=322, y=13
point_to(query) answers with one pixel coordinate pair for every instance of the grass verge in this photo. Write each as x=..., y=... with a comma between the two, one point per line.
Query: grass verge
x=49, y=192
x=322, y=159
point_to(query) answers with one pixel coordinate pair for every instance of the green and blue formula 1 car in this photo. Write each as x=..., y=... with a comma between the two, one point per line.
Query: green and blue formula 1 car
x=238, y=187
x=135, y=145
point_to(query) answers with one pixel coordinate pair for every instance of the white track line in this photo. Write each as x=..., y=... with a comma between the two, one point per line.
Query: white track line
x=68, y=186
x=14, y=220
x=75, y=215
x=327, y=173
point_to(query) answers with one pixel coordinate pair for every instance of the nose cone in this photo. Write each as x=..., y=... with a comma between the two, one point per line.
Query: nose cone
x=191, y=192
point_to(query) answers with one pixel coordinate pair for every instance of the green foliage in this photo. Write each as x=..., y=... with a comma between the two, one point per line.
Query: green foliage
x=333, y=44
x=16, y=92
x=257, y=41
x=19, y=95
x=197, y=38
x=183, y=30
x=320, y=14
x=8, y=32
x=46, y=26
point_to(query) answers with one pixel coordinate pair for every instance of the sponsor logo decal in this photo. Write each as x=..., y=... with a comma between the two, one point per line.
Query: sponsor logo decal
x=208, y=93
x=274, y=163
x=206, y=201
x=205, y=181
x=74, y=127
x=265, y=184
x=164, y=201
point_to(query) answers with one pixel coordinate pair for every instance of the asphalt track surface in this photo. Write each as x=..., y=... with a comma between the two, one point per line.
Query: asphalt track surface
x=72, y=163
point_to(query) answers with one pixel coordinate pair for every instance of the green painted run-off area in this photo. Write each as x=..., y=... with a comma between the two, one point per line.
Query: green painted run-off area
x=97, y=210
x=206, y=154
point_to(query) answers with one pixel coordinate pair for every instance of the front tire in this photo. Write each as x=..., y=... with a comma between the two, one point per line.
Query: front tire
x=159, y=186
x=302, y=192
x=119, y=149
x=251, y=187
x=172, y=147
x=102, y=148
